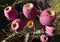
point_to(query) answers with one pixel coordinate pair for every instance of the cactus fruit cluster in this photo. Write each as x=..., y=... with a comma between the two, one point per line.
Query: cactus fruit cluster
x=47, y=17
x=27, y=24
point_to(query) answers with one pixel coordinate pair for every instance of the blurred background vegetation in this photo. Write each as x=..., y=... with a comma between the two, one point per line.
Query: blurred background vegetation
x=4, y=22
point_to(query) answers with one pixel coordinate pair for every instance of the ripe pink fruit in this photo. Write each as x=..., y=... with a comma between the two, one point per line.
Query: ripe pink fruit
x=29, y=10
x=43, y=38
x=17, y=25
x=11, y=13
x=50, y=30
x=47, y=17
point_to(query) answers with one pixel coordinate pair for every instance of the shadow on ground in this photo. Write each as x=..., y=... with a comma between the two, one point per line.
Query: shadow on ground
x=57, y=38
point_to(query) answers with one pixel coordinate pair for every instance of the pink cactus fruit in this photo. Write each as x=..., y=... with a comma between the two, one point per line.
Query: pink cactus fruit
x=50, y=30
x=17, y=25
x=29, y=10
x=11, y=13
x=43, y=38
x=47, y=17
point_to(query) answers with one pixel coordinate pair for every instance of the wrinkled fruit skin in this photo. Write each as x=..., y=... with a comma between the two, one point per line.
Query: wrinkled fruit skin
x=29, y=13
x=21, y=25
x=43, y=37
x=11, y=13
x=50, y=30
x=45, y=18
